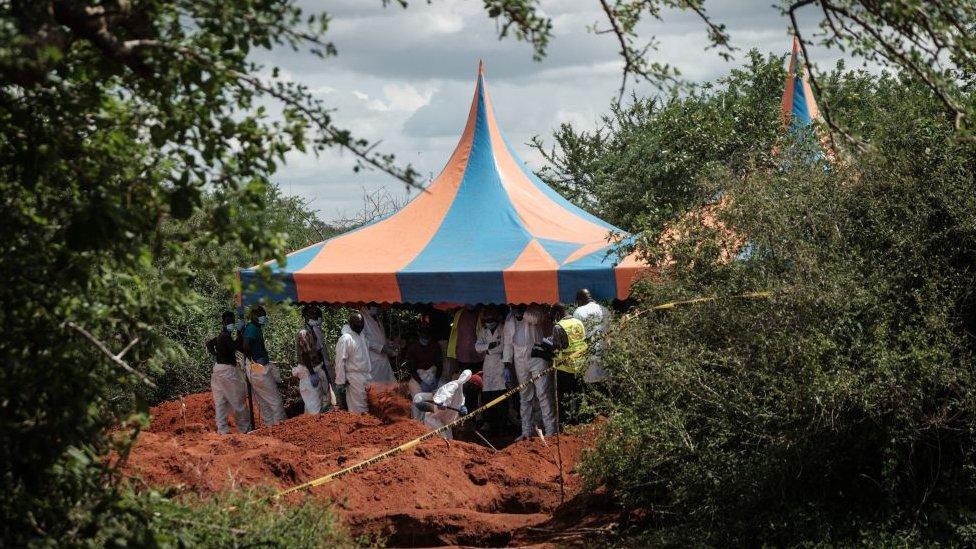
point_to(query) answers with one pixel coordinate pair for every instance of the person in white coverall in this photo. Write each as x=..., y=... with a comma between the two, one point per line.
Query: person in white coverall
x=226, y=383
x=261, y=372
x=444, y=405
x=308, y=348
x=596, y=318
x=493, y=369
x=523, y=329
x=380, y=350
x=352, y=364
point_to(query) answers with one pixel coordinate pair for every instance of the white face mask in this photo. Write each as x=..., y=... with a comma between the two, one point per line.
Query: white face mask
x=230, y=327
x=262, y=320
x=313, y=323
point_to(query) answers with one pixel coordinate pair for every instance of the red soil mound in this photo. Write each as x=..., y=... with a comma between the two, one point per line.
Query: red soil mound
x=439, y=492
x=390, y=404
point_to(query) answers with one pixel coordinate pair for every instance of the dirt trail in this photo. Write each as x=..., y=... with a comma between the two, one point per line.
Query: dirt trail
x=439, y=493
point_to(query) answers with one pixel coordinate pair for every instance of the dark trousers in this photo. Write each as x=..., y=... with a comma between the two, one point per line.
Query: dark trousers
x=569, y=395
x=497, y=416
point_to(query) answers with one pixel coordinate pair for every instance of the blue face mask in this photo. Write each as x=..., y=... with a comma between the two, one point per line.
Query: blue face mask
x=230, y=327
x=262, y=320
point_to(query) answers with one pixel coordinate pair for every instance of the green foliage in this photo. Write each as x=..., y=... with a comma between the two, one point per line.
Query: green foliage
x=843, y=409
x=211, y=270
x=133, y=135
x=654, y=159
x=234, y=519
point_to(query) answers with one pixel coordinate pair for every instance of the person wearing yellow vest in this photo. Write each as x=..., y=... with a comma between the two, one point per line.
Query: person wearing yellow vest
x=569, y=342
x=462, y=349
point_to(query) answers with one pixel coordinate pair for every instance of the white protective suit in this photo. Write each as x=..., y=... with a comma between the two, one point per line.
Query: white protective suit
x=353, y=368
x=450, y=395
x=519, y=337
x=596, y=318
x=229, y=394
x=493, y=370
x=376, y=339
x=311, y=396
x=264, y=388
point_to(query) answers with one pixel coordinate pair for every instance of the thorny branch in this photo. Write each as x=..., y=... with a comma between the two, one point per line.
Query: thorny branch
x=916, y=40
x=115, y=358
x=623, y=17
x=312, y=112
x=811, y=74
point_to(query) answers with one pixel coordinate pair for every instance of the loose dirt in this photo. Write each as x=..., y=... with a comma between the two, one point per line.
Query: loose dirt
x=439, y=493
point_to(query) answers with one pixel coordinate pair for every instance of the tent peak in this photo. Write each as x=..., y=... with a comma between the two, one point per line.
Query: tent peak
x=481, y=67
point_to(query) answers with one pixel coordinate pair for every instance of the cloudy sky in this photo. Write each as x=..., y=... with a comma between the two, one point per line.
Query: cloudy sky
x=406, y=77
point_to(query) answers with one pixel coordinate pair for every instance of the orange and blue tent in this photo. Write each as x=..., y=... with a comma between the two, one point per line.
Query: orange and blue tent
x=798, y=108
x=486, y=230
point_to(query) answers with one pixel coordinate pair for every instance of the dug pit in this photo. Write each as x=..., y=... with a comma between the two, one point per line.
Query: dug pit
x=438, y=493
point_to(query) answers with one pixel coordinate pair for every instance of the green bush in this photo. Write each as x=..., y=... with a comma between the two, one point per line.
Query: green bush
x=210, y=268
x=243, y=518
x=842, y=409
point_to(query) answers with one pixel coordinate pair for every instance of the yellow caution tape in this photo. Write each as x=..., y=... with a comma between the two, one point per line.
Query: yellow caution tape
x=408, y=445
x=504, y=396
x=674, y=304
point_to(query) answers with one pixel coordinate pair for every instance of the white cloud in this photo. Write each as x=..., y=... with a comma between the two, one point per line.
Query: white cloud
x=445, y=23
x=405, y=76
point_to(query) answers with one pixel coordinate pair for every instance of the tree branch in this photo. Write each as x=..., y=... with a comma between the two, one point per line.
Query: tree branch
x=336, y=136
x=808, y=66
x=115, y=358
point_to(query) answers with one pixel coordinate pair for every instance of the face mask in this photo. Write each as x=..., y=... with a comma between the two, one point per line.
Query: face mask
x=313, y=322
x=230, y=327
x=423, y=340
x=262, y=320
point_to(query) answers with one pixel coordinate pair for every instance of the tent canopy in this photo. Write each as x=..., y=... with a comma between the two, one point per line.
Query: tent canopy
x=486, y=230
x=798, y=108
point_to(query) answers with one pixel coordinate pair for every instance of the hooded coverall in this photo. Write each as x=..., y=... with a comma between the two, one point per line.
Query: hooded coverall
x=375, y=335
x=451, y=397
x=519, y=337
x=353, y=368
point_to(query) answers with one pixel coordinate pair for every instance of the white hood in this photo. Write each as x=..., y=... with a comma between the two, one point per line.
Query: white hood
x=450, y=393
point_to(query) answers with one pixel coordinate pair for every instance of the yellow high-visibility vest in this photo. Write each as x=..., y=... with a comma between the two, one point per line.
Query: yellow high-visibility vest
x=570, y=359
x=452, y=341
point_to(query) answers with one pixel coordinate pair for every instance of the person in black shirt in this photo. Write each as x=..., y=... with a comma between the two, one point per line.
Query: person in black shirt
x=226, y=383
x=424, y=362
x=438, y=326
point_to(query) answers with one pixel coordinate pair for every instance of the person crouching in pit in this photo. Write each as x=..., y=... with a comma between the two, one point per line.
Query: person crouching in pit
x=226, y=383
x=443, y=406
